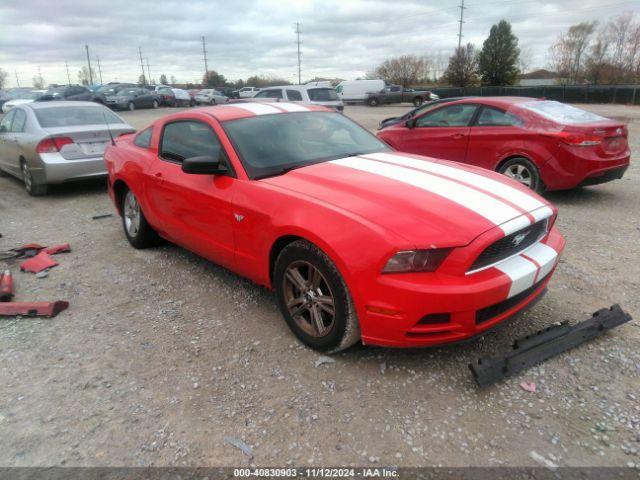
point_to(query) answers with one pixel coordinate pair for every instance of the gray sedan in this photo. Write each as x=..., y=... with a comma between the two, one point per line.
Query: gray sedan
x=56, y=142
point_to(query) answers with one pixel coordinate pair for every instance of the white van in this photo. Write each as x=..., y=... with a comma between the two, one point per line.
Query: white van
x=306, y=94
x=356, y=90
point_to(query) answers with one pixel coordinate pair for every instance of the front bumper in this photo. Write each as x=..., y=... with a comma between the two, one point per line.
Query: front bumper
x=418, y=310
x=54, y=168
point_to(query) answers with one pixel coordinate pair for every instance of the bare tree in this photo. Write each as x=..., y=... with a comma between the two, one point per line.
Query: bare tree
x=567, y=54
x=406, y=70
x=463, y=67
x=524, y=61
x=38, y=82
x=83, y=75
x=3, y=78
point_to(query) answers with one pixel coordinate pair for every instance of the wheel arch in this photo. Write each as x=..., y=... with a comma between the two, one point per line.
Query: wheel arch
x=511, y=156
x=119, y=189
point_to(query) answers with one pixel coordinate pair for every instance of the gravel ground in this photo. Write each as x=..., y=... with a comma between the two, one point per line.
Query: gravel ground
x=162, y=355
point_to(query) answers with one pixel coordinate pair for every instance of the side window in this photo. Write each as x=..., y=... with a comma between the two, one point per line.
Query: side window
x=276, y=93
x=6, y=120
x=143, y=139
x=294, y=95
x=492, y=117
x=186, y=139
x=451, y=116
x=19, y=121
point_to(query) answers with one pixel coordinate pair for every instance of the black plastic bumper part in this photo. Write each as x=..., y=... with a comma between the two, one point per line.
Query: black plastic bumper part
x=540, y=346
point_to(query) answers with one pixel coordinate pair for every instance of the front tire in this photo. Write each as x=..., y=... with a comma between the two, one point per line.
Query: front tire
x=524, y=171
x=417, y=101
x=136, y=228
x=314, y=299
x=34, y=189
x=213, y=101
x=155, y=104
x=131, y=106
x=373, y=102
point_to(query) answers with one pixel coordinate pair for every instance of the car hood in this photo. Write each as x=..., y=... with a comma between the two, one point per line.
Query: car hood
x=430, y=203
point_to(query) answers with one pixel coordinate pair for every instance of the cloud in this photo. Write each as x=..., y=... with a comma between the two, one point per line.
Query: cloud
x=342, y=38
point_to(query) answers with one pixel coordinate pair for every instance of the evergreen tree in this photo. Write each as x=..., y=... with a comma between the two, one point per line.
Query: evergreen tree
x=498, y=60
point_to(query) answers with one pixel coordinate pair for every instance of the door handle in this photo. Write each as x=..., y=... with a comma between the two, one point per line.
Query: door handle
x=159, y=177
x=458, y=135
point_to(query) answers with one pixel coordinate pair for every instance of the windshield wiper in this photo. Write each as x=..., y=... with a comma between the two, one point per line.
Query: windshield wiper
x=279, y=172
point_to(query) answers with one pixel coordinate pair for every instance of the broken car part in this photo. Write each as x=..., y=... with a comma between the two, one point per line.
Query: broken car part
x=545, y=344
x=38, y=263
x=6, y=286
x=32, y=309
x=65, y=247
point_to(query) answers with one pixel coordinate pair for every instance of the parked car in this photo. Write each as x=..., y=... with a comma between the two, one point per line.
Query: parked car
x=182, y=97
x=355, y=91
x=43, y=143
x=132, y=98
x=398, y=94
x=26, y=97
x=288, y=194
x=543, y=144
x=305, y=94
x=210, y=96
x=109, y=89
x=245, y=92
x=11, y=93
x=166, y=96
x=68, y=92
x=387, y=122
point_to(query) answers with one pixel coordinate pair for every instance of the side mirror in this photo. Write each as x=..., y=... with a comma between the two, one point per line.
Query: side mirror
x=203, y=166
x=411, y=123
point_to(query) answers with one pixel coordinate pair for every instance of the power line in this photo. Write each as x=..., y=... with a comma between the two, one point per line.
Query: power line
x=142, y=65
x=148, y=69
x=17, y=79
x=66, y=65
x=99, y=69
x=299, y=65
x=89, y=64
x=204, y=55
x=462, y=8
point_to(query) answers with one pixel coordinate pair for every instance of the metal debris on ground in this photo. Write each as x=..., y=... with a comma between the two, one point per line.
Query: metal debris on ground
x=105, y=215
x=324, y=359
x=38, y=263
x=32, y=309
x=236, y=442
x=529, y=387
x=6, y=286
x=545, y=344
x=43, y=274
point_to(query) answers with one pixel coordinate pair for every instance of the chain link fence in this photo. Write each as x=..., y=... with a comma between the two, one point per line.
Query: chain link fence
x=627, y=94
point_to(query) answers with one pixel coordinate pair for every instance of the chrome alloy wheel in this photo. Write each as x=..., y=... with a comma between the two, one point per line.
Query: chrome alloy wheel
x=520, y=173
x=26, y=176
x=131, y=214
x=309, y=299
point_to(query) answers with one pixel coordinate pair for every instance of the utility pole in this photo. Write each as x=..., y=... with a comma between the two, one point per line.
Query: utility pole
x=40, y=79
x=89, y=64
x=462, y=9
x=142, y=65
x=204, y=54
x=99, y=69
x=298, y=41
x=66, y=64
x=17, y=79
x=148, y=70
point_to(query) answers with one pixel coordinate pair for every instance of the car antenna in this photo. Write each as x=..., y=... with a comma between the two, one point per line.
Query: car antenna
x=108, y=128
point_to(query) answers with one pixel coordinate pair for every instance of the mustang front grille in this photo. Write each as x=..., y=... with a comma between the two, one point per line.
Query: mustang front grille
x=510, y=245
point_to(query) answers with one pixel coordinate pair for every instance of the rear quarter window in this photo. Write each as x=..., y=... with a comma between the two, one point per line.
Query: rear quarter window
x=143, y=139
x=561, y=113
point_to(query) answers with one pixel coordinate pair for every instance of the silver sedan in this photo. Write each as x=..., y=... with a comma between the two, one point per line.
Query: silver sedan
x=44, y=143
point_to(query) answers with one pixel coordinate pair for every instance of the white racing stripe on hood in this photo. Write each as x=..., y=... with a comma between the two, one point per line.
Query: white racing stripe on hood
x=493, y=210
x=290, y=107
x=501, y=189
x=256, y=108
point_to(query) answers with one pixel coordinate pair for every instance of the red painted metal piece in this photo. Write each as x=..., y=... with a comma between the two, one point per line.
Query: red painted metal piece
x=65, y=247
x=6, y=286
x=32, y=309
x=40, y=262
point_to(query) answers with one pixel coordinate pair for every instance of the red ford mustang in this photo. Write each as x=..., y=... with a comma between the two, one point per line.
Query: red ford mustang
x=545, y=145
x=359, y=242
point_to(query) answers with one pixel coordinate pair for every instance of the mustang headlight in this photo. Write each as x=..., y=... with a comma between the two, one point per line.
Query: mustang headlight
x=416, y=260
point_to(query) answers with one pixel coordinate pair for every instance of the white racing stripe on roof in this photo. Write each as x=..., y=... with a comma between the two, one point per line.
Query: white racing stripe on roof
x=493, y=210
x=290, y=107
x=515, y=196
x=256, y=108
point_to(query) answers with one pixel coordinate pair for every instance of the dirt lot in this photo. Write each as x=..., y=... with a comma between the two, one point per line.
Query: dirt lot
x=162, y=354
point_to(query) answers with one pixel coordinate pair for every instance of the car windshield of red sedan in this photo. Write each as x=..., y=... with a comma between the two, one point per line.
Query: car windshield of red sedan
x=274, y=144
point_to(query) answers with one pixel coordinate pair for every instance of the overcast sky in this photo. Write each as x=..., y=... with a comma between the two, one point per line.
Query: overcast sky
x=341, y=38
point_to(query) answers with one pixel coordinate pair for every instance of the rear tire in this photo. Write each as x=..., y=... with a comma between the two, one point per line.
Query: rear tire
x=34, y=189
x=155, y=104
x=131, y=106
x=524, y=171
x=136, y=228
x=314, y=299
x=213, y=101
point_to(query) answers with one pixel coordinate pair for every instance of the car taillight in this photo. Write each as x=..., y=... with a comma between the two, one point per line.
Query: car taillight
x=578, y=139
x=52, y=145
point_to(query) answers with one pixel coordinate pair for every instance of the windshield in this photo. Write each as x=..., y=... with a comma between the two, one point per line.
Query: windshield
x=561, y=113
x=322, y=95
x=73, y=116
x=127, y=91
x=270, y=144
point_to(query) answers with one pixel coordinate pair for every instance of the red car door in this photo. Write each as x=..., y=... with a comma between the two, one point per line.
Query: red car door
x=495, y=135
x=441, y=133
x=193, y=211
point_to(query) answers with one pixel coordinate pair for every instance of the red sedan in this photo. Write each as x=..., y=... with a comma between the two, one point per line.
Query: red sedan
x=358, y=242
x=543, y=144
